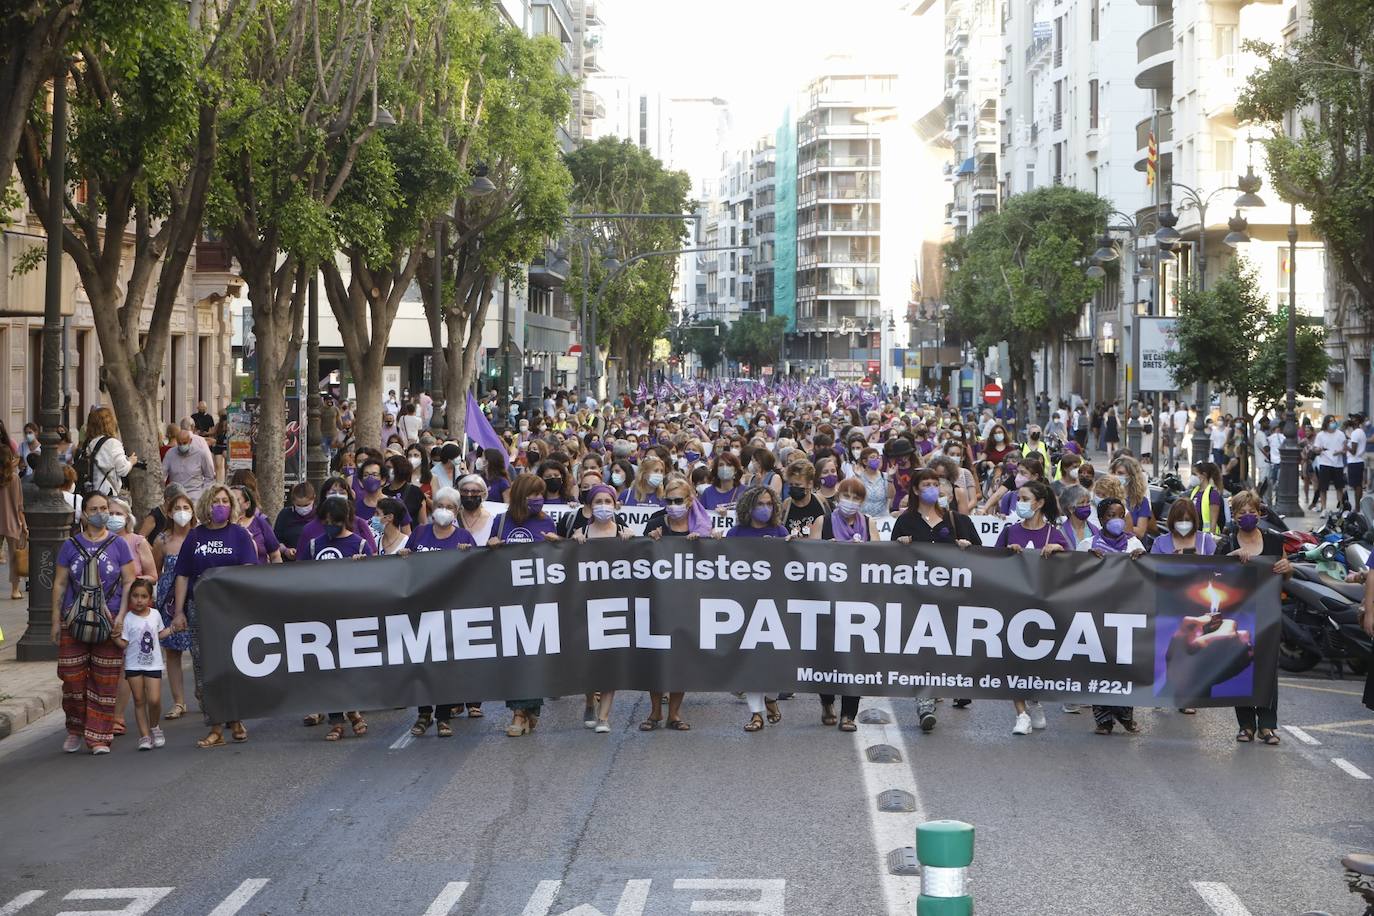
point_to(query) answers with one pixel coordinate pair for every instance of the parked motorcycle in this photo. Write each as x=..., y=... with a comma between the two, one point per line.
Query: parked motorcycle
x=1359, y=878
x=1321, y=622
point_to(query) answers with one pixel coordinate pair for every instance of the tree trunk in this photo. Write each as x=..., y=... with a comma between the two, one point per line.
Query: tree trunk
x=140, y=424
x=464, y=343
x=277, y=298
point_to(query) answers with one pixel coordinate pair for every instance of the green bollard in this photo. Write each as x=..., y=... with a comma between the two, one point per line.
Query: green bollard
x=945, y=851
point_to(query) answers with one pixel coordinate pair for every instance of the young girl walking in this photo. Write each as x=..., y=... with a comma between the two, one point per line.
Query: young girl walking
x=140, y=632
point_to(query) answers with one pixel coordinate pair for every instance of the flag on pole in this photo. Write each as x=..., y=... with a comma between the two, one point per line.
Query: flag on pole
x=1152, y=161
x=479, y=427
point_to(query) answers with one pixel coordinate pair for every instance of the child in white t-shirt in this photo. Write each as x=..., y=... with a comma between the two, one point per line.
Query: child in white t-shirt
x=139, y=632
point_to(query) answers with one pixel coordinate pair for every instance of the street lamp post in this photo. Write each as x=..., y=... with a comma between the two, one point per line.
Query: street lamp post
x=1286, y=499
x=45, y=510
x=316, y=464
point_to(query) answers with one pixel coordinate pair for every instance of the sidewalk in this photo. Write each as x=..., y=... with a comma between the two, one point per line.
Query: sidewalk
x=28, y=690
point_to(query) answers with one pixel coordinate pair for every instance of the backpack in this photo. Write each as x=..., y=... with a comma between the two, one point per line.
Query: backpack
x=85, y=467
x=88, y=619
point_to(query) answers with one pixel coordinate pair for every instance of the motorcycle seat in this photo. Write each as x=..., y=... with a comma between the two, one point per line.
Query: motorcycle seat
x=1359, y=862
x=1353, y=592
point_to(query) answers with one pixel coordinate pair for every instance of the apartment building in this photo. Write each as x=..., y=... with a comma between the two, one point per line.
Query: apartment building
x=973, y=73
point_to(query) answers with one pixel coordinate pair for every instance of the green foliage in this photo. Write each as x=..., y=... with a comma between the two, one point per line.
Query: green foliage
x=754, y=341
x=706, y=339
x=1269, y=367
x=1327, y=163
x=1218, y=331
x=1018, y=276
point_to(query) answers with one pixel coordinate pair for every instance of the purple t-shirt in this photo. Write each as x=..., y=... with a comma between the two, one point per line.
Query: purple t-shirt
x=111, y=568
x=263, y=536
x=362, y=511
x=1142, y=511
x=749, y=531
x=345, y=545
x=628, y=498
x=1203, y=543
x=206, y=548
x=422, y=539
x=713, y=498
x=1022, y=536
x=526, y=532
x=314, y=529
x=497, y=487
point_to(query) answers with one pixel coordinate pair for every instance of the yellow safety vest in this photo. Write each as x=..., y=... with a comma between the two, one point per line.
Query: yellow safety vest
x=1042, y=449
x=1206, y=508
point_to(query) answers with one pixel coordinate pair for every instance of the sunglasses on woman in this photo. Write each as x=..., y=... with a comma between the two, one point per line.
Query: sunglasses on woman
x=674, y=501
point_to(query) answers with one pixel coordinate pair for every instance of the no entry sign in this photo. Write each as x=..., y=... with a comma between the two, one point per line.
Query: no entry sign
x=992, y=392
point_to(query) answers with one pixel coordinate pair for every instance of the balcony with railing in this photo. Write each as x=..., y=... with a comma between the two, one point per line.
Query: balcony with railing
x=1038, y=52
x=1154, y=54
x=1142, y=138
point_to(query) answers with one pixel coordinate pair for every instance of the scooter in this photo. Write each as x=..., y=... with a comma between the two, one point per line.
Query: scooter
x=1321, y=622
x=1359, y=878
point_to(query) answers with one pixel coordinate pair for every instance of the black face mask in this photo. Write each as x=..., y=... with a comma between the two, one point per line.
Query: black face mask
x=796, y=494
x=470, y=503
x=553, y=484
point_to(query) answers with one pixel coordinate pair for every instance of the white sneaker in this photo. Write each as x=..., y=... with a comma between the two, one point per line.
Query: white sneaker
x=100, y=749
x=72, y=744
x=1037, y=715
x=1072, y=709
x=603, y=728
x=145, y=744
x=1022, y=726
x=158, y=739
x=589, y=717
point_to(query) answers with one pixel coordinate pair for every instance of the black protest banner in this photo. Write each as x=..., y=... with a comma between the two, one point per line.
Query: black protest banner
x=739, y=614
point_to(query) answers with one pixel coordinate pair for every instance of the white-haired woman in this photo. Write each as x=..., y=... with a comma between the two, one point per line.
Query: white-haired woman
x=219, y=541
x=472, y=515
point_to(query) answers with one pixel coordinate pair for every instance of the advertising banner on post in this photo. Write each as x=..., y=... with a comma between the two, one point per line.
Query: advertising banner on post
x=741, y=614
x=1155, y=341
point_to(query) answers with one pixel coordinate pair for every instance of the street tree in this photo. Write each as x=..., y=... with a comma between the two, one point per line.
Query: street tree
x=142, y=145
x=505, y=111
x=616, y=176
x=1269, y=365
x=302, y=106
x=1018, y=275
x=706, y=339
x=1322, y=86
x=1219, y=332
x=756, y=341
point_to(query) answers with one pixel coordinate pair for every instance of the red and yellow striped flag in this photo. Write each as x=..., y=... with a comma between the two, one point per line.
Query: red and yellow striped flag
x=1151, y=161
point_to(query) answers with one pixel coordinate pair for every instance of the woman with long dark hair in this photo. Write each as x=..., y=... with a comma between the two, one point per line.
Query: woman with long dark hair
x=13, y=526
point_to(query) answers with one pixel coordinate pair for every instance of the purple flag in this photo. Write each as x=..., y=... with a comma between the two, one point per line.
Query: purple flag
x=479, y=428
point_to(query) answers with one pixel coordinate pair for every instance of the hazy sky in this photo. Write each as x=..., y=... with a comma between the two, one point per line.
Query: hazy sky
x=755, y=54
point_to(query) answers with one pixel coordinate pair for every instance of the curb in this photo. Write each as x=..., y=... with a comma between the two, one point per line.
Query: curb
x=18, y=712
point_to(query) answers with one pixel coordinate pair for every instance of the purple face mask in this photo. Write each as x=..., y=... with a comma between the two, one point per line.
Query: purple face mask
x=1083, y=513
x=1115, y=526
x=762, y=514
x=535, y=504
x=372, y=484
x=675, y=511
x=1022, y=480
x=829, y=480
x=874, y=463
x=1247, y=521
x=930, y=495
x=219, y=514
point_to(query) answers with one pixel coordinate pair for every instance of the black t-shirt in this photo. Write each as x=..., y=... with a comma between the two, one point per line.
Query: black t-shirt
x=204, y=422
x=913, y=525
x=159, y=523
x=659, y=522
x=413, y=498
x=1273, y=544
x=800, y=518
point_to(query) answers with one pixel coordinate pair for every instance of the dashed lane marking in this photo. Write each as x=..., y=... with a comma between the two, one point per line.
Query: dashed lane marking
x=1302, y=736
x=1346, y=728
x=1301, y=686
x=1220, y=899
x=404, y=741
x=448, y=898
x=141, y=899
x=240, y=897
x=1350, y=768
x=18, y=903
x=890, y=830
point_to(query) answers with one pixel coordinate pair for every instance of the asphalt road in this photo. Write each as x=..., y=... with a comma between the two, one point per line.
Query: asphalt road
x=1178, y=820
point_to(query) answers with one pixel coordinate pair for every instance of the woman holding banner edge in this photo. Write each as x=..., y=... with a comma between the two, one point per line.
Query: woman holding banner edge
x=600, y=500
x=681, y=518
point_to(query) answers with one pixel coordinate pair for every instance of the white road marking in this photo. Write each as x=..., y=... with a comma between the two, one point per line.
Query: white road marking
x=448, y=898
x=1220, y=898
x=1302, y=736
x=240, y=897
x=18, y=903
x=772, y=895
x=1350, y=768
x=633, y=900
x=141, y=899
x=404, y=741
x=890, y=830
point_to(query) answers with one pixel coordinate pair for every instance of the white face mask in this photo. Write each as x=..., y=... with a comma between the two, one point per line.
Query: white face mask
x=443, y=517
x=942, y=502
x=182, y=517
x=702, y=488
x=415, y=462
x=725, y=472
x=1183, y=527
x=655, y=479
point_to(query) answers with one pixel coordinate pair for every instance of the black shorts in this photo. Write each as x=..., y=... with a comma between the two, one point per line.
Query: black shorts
x=130, y=675
x=1330, y=477
x=1355, y=474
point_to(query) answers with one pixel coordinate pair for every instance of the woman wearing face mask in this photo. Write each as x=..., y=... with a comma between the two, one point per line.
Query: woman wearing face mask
x=998, y=444
x=1114, y=537
x=181, y=518
x=155, y=522
x=827, y=477
x=647, y=489
x=90, y=672
x=120, y=522
x=879, y=493
x=472, y=514
x=803, y=507
x=620, y=475
x=218, y=541
x=334, y=488
x=1030, y=470
x=1078, y=527
x=418, y=456
x=1184, y=535
x=1250, y=543
x=443, y=532
x=1206, y=493
x=444, y=470
x=386, y=527
x=399, y=486
x=725, y=486
x=370, y=479
x=963, y=485
x=255, y=523
x=852, y=464
x=1330, y=450
x=604, y=525
x=1066, y=472
x=572, y=522
x=757, y=515
x=1034, y=531
x=558, y=483
x=1140, y=517
x=293, y=518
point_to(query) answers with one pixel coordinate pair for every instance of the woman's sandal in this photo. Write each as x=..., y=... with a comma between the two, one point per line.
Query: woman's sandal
x=847, y=725
x=359, y=724
x=533, y=720
x=239, y=731
x=315, y=718
x=214, y=739
x=421, y=726
x=336, y=733
x=1269, y=737
x=1187, y=710
x=755, y=723
x=118, y=728
x=444, y=730
x=1132, y=727
x=1245, y=736
x=774, y=713
x=475, y=712
x=828, y=714
x=649, y=725
x=519, y=725
x=177, y=711
x=678, y=725
x=1102, y=730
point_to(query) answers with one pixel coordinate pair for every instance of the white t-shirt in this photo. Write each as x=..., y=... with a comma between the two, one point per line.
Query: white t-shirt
x=1180, y=420
x=410, y=428
x=1218, y=436
x=1357, y=439
x=143, y=652
x=1332, y=445
x=1275, y=443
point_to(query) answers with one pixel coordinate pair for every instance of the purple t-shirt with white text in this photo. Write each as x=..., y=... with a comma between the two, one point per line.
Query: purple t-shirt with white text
x=526, y=532
x=749, y=531
x=422, y=539
x=206, y=548
x=1022, y=536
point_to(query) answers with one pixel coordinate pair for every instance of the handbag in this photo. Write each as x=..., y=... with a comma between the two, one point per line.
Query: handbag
x=21, y=558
